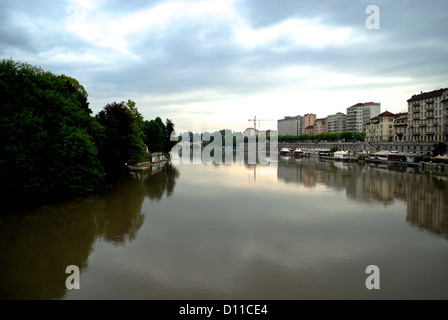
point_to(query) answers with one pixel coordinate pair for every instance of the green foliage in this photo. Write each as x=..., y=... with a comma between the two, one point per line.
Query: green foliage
x=439, y=148
x=334, y=149
x=154, y=135
x=47, y=145
x=169, y=129
x=157, y=135
x=122, y=141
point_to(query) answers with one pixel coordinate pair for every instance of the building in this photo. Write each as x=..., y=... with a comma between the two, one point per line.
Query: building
x=401, y=127
x=289, y=126
x=309, y=130
x=320, y=126
x=308, y=121
x=361, y=113
x=381, y=128
x=427, y=116
x=444, y=108
x=336, y=123
x=295, y=126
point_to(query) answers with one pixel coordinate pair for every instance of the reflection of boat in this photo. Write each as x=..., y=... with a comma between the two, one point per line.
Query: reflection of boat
x=285, y=152
x=298, y=152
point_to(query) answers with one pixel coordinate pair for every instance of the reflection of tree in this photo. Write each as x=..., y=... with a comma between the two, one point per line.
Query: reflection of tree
x=37, y=246
x=160, y=179
x=121, y=216
x=172, y=174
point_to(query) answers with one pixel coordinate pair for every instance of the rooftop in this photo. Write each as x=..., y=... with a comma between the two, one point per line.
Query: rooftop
x=426, y=95
x=386, y=114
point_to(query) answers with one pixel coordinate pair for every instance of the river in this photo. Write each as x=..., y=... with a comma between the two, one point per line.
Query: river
x=296, y=229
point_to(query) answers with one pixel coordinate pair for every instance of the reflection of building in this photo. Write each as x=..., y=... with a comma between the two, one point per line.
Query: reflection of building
x=425, y=196
x=310, y=178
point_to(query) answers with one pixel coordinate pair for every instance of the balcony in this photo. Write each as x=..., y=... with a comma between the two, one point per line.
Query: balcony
x=430, y=107
x=429, y=100
x=415, y=103
x=416, y=117
x=416, y=109
x=430, y=116
x=422, y=124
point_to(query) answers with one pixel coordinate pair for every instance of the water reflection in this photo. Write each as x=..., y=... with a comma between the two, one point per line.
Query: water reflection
x=37, y=245
x=158, y=180
x=425, y=196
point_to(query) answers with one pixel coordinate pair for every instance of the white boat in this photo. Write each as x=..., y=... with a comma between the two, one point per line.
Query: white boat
x=285, y=152
x=298, y=152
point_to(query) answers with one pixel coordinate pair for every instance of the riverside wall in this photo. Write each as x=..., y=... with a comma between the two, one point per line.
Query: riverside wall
x=418, y=147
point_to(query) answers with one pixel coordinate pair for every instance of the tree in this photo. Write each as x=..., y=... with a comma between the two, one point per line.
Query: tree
x=169, y=127
x=122, y=140
x=439, y=148
x=334, y=149
x=155, y=135
x=46, y=145
x=138, y=148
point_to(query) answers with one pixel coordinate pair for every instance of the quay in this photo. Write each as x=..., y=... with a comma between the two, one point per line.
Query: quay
x=367, y=152
x=154, y=159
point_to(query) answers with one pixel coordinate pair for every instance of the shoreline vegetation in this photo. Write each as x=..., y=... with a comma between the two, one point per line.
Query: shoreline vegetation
x=52, y=146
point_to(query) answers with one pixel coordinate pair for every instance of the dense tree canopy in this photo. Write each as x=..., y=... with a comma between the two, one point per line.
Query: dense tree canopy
x=122, y=141
x=52, y=145
x=157, y=135
x=46, y=143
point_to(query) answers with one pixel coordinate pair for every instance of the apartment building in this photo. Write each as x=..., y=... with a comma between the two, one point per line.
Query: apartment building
x=289, y=126
x=361, y=113
x=308, y=121
x=381, y=128
x=428, y=116
x=401, y=127
x=320, y=126
x=336, y=122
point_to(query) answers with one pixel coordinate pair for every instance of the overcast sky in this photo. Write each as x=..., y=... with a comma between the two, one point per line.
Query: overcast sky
x=220, y=63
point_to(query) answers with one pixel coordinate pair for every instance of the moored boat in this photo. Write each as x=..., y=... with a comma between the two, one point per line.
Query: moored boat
x=285, y=152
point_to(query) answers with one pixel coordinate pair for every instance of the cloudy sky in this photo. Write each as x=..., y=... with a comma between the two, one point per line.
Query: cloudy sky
x=217, y=64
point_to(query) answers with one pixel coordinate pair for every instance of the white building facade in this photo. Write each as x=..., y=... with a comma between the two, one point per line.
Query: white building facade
x=361, y=113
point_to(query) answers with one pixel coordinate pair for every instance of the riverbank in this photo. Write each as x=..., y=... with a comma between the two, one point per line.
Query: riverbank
x=145, y=165
x=440, y=169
